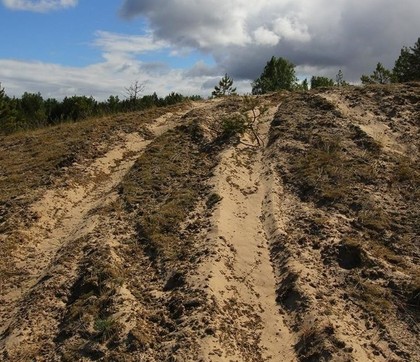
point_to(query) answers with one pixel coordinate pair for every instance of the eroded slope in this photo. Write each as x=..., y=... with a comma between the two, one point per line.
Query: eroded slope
x=178, y=237
x=348, y=253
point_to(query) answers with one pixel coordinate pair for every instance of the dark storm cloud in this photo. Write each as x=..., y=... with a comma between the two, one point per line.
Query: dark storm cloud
x=185, y=23
x=317, y=34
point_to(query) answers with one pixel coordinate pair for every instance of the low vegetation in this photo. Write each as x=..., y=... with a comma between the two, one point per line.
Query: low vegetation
x=338, y=190
x=360, y=194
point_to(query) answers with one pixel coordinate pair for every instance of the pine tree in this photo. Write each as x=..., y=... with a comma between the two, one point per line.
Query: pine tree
x=317, y=82
x=339, y=79
x=278, y=74
x=2, y=103
x=225, y=87
x=407, y=66
x=7, y=114
x=380, y=75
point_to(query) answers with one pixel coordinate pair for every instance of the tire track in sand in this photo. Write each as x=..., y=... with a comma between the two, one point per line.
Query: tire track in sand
x=68, y=218
x=240, y=278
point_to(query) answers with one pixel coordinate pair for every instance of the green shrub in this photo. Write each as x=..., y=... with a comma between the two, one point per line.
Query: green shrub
x=233, y=125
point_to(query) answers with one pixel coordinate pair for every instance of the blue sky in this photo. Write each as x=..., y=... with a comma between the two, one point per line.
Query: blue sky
x=67, y=36
x=71, y=38
x=98, y=47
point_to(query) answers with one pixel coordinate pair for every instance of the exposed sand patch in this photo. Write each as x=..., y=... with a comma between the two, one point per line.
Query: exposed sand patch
x=241, y=282
x=65, y=217
x=368, y=123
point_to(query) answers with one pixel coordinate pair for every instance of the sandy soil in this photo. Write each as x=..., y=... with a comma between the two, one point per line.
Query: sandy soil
x=281, y=267
x=240, y=278
x=66, y=217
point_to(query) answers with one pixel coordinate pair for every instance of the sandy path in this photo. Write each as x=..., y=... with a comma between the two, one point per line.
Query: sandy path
x=367, y=121
x=240, y=278
x=66, y=218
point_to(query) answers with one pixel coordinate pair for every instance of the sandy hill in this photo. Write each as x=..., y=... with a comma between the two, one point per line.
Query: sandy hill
x=274, y=228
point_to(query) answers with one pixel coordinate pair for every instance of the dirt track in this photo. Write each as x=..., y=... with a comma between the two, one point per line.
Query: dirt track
x=194, y=247
x=240, y=278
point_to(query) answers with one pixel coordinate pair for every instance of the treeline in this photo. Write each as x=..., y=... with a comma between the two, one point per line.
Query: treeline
x=31, y=110
x=279, y=73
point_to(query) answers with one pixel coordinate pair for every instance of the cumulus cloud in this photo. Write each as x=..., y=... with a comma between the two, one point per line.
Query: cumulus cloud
x=40, y=6
x=318, y=34
x=119, y=68
x=99, y=80
x=198, y=24
x=291, y=29
x=111, y=76
x=265, y=36
x=201, y=69
x=122, y=43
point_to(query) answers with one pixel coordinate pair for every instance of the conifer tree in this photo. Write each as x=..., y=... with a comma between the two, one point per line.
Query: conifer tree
x=318, y=81
x=4, y=106
x=225, y=87
x=2, y=103
x=407, y=66
x=7, y=115
x=380, y=75
x=278, y=74
x=339, y=79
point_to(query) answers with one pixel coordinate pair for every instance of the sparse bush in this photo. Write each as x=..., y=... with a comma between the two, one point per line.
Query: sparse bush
x=213, y=199
x=374, y=297
x=105, y=328
x=322, y=171
x=313, y=343
x=339, y=79
x=233, y=125
x=247, y=120
x=414, y=294
x=252, y=110
x=405, y=171
x=373, y=218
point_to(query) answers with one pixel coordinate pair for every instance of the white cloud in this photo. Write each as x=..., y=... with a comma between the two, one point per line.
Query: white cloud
x=264, y=36
x=202, y=23
x=319, y=36
x=242, y=35
x=122, y=43
x=112, y=76
x=212, y=23
x=40, y=6
x=121, y=65
x=291, y=29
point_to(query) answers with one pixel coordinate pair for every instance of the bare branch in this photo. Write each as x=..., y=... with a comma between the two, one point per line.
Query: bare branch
x=134, y=90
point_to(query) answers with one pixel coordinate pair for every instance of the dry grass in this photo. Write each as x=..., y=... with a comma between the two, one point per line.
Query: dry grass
x=32, y=159
x=373, y=297
x=163, y=187
x=322, y=173
x=335, y=168
x=316, y=342
x=372, y=217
